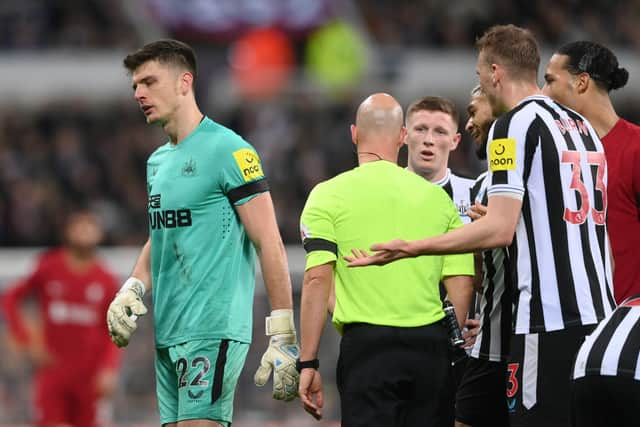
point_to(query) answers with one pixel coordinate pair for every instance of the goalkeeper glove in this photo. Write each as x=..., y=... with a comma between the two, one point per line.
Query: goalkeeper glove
x=124, y=310
x=280, y=356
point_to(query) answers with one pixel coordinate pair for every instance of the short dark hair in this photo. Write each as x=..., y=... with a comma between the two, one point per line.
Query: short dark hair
x=513, y=47
x=164, y=51
x=435, y=103
x=597, y=61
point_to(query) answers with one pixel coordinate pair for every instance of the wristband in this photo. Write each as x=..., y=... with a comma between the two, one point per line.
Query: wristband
x=313, y=364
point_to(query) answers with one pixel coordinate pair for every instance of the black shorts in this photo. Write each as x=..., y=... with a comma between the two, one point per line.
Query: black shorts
x=395, y=377
x=605, y=401
x=480, y=399
x=539, y=376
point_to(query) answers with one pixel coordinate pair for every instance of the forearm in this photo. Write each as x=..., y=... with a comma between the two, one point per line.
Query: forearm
x=142, y=267
x=313, y=310
x=275, y=272
x=459, y=292
x=496, y=229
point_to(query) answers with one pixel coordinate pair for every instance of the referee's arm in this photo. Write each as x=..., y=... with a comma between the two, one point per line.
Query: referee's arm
x=316, y=287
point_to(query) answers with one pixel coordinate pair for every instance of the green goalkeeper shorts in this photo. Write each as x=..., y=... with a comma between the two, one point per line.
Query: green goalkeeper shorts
x=197, y=380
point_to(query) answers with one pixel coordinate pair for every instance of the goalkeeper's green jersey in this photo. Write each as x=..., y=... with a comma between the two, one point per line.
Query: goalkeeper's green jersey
x=202, y=261
x=377, y=202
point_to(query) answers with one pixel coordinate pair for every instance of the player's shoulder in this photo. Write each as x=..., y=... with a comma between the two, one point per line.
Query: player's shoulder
x=462, y=180
x=220, y=137
x=633, y=129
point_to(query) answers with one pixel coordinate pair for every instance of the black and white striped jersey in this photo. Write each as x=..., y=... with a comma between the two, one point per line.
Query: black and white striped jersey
x=496, y=300
x=458, y=188
x=551, y=158
x=613, y=349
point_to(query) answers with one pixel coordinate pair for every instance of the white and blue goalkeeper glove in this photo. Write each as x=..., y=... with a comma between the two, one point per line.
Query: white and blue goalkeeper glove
x=124, y=310
x=280, y=356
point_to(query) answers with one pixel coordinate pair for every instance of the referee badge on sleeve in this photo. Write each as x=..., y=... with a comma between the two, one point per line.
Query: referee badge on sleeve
x=502, y=154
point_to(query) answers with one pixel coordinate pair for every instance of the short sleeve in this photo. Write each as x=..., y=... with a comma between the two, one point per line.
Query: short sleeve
x=458, y=264
x=242, y=177
x=505, y=157
x=317, y=229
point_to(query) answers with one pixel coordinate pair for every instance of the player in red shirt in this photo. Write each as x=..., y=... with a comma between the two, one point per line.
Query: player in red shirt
x=74, y=360
x=580, y=75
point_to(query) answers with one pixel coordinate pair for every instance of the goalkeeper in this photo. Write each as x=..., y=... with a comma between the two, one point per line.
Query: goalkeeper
x=209, y=207
x=394, y=366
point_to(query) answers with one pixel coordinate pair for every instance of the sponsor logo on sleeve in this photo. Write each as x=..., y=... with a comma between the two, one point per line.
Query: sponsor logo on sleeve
x=249, y=164
x=502, y=154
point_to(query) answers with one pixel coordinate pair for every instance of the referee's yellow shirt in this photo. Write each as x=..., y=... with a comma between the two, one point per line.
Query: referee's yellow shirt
x=377, y=202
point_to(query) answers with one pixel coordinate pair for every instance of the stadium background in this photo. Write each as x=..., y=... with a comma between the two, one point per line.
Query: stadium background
x=285, y=74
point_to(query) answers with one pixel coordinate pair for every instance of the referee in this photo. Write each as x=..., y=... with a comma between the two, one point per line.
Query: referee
x=394, y=366
x=606, y=376
x=546, y=188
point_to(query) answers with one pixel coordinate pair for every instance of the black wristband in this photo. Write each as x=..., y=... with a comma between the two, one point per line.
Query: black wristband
x=314, y=364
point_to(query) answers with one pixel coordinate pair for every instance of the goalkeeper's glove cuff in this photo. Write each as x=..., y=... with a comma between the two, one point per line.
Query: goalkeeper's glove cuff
x=134, y=284
x=280, y=322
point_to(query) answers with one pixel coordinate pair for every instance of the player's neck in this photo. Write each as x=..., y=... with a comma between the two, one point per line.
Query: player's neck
x=79, y=260
x=600, y=113
x=516, y=91
x=182, y=124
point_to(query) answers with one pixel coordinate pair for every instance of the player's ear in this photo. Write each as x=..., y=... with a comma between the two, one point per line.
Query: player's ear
x=403, y=136
x=456, y=140
x=186, y=82
x=582, y=82
x=354, y=134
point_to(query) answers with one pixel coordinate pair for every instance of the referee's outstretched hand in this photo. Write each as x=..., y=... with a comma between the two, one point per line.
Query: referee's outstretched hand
x=384, y=253
x=310, y=391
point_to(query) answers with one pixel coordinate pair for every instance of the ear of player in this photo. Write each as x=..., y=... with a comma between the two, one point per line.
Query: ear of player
x=280, y=356
x=124, y=310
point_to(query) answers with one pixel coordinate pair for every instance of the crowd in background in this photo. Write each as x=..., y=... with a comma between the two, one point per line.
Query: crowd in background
x=65, y=154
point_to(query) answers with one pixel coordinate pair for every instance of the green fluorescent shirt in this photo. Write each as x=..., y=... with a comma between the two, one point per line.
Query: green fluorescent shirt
x=202, y=261
x=377, y=202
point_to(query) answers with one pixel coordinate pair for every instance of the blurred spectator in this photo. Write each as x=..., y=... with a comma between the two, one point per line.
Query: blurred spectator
x=67, y=343
x=36, y=24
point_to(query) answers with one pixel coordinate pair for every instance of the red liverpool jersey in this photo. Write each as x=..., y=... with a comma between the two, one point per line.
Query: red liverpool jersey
x=622, y=148
x=73, y=307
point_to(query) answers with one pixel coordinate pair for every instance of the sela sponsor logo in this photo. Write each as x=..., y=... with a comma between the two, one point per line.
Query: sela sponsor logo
x=502, y=154
x=249, y=164
x=77, y=314
x=167, y=218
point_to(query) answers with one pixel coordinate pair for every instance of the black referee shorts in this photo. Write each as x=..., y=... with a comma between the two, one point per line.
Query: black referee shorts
x=480, y=398
x=539, y=376
x=395, y=377
x=599, y=401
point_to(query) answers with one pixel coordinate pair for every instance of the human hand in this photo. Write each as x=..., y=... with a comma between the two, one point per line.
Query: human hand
x=124, y=310
x=477, y=211
x=310, y=391
x=280, y=356
x=472, y=329
x=384, y=254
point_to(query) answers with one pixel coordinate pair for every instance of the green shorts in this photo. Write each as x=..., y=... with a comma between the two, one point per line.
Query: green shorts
x=197, y=380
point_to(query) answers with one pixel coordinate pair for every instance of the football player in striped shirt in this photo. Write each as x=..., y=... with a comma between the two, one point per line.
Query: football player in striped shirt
x=480, y=398
x=432, y=134
x=606, y=376
x=581, y=75
x=547, y=202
